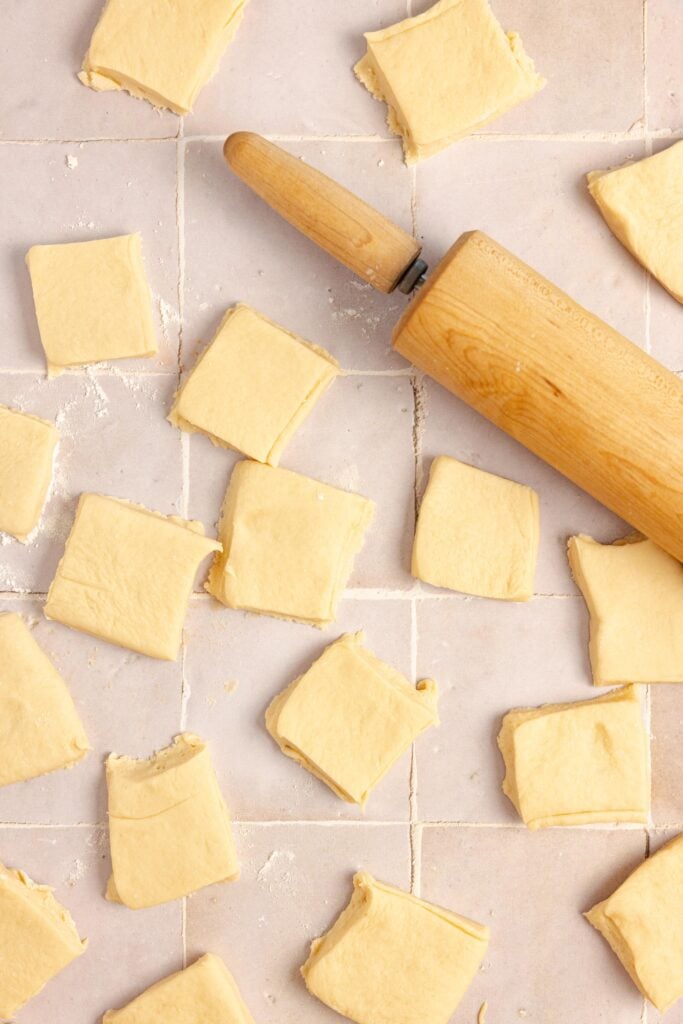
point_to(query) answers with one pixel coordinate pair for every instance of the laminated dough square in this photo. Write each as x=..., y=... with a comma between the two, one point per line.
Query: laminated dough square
x=580, y=763
x=127, y=574
x=204, y=993
x=288, y=544
x=476, y=533
x=643, y=205
x=92, y=301
x=634, y=593
x=169, y=828
x=445, y=73
x=38, y=939
x=40, y=730
x=27, y=448
x=253, y=386
x=643, y=923
x=391, y=957
x=350, y=717
x=160, y=51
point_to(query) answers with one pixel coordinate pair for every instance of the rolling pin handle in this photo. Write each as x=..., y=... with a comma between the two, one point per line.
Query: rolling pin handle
x=414, y=277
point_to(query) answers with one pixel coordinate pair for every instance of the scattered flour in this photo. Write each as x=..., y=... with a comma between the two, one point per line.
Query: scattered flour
x=277, y=857
x=77, y=872
x=71, y=162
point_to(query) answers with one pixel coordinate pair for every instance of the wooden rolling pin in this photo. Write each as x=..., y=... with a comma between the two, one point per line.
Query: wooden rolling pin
x=506, y=341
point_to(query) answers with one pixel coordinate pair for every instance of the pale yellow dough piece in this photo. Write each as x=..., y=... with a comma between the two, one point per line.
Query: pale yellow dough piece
x=445, y=73
x=391, y=957
x=350, y=717
x=27, y=447
x=575, y=764
x=204, y=993
x=169, y=828
x=643, y=205
x=643, y=923
x=634, y=593
x=127, y=574
x=288, y=544
x=253, y=386
x=92, y=301
x=38, y=939
x=476, y=533
x=160, y=51
x=40, y=730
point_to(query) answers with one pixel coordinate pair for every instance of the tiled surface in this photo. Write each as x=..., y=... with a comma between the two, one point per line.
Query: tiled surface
x=439, y=820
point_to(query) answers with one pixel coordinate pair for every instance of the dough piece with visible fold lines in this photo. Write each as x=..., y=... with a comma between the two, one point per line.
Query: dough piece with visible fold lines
x=27, y=448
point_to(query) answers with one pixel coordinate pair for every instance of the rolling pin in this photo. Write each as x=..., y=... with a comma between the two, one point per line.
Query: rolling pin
x=506, y=341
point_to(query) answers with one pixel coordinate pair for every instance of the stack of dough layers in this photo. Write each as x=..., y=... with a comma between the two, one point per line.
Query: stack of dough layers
x=169, y=828
x=576, y=764
x=27, y=448
x=391, y=957
x=38, y=939
x=350, y=717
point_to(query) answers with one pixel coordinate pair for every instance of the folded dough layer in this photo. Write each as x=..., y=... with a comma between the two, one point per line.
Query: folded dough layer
x=27, y=449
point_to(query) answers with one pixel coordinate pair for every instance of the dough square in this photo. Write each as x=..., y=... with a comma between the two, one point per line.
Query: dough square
x=253, y=386
x=38, y=939
x=642, y=203
x=643, y=922
x=204, y=993
x=169, y=828
x=392, y=957
x=445, y=73
x=92, y=301
x=349, y=718
x=288, y=544
x=161, y=52
x=579, y=763
x=476, y=533
x=40, y=730
x=27, y=448
x=126, y=575
x=634, y=593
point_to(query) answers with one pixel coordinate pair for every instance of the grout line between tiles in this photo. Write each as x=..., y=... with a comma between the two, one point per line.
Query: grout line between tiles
x=377, y=823
x=183, y=929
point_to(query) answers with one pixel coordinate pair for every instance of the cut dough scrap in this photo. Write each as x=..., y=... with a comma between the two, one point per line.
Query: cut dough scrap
x=40, y=730
x=643, y=923
x=253, y=386
x=445, y=73
x=634, y=593
x=391, y=957
x=204, y=993
x=27, y=448
x=127, y=574
x=161, y=52
x=169, y=828
x=643, y=205
x=288, y=544
x=350, y=717
x=574, y=764
x=476, y=533
x=92, y=301
x=38, y=939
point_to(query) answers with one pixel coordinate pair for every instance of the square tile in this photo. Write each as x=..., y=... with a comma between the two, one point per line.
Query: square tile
x=531, y=890
x=664, y=84
x=667, y=742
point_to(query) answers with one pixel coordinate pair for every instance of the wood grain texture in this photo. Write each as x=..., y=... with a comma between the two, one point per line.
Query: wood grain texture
x=556, y=378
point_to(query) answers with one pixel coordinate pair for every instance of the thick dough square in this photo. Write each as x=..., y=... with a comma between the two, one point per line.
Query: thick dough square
x=126, y=575
x=643, y=923
x=634, y=593
x=160, y=51
x=169, y=828
x=445, y=73
x=253, y=386
x=204, y=993
x=92, y=301
x=27, y=447
x=391, y=957
x=643, y=205
x=38, y=939
x=476, y=533
x=575, y=764
x=350, y=717
x=288, y=544
x=40, y=730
